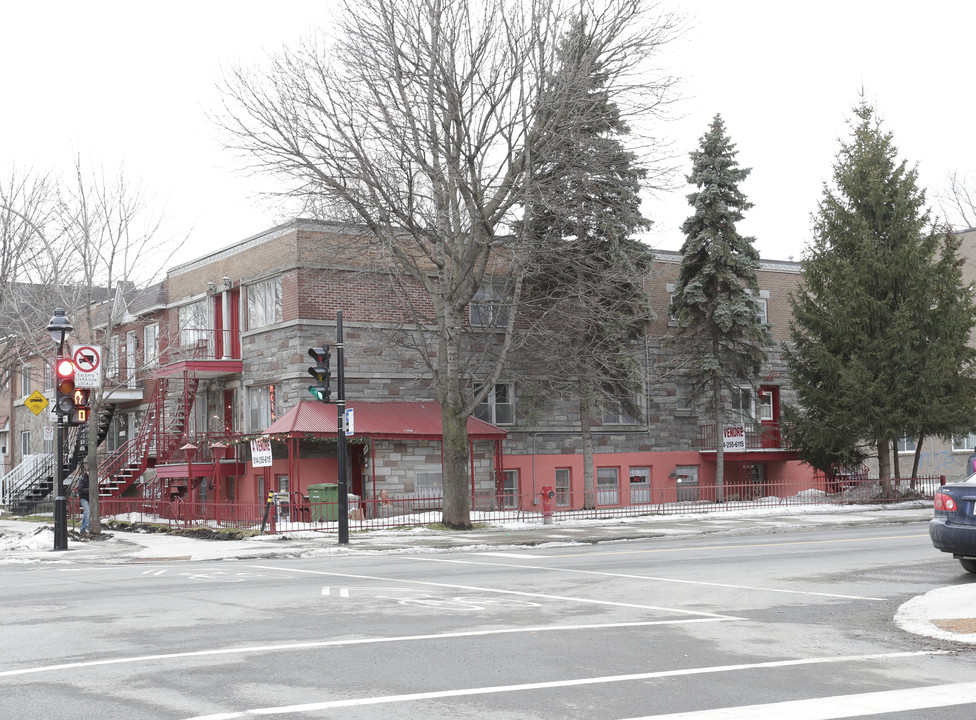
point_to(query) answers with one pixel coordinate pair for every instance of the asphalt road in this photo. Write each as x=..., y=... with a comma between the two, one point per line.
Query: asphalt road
x=794, y=625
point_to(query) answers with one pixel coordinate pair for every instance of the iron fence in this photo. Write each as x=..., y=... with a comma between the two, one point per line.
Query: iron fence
x=404, y=512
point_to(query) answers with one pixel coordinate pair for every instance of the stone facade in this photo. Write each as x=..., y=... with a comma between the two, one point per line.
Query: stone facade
x=321, y=270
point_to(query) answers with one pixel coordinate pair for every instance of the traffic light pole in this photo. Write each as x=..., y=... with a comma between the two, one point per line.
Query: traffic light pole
x=58, y=329
x=60, y=502
x=341, y=437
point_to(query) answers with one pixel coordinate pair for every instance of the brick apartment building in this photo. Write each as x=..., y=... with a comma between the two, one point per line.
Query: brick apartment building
x=216, y=355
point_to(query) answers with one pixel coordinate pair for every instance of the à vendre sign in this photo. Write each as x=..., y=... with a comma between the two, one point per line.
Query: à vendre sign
x=261, y=453
x=734, y=437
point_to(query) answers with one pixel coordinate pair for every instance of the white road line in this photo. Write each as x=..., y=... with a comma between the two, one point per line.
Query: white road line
x=290, y=647
x=630, y=576
x=635, y=677
x=510, y=555
x=840, y=706
x=519, y=593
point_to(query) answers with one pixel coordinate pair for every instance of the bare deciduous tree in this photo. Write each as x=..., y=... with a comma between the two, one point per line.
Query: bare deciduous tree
x=424, y=120
x=117, y=236
x=81, y=244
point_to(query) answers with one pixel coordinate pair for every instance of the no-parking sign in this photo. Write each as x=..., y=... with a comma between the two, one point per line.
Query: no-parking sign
x=88, y=366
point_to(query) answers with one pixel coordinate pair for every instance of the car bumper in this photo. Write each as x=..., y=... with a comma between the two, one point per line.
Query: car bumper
x=960, y=540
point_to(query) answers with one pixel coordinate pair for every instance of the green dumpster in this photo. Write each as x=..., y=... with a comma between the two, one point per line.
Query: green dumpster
x=320, y=494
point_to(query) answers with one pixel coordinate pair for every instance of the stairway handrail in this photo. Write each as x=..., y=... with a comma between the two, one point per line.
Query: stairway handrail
x=27, y=474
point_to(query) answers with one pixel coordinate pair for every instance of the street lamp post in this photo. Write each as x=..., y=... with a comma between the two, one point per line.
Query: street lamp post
x=189, y=450
x=59, y=328
x=217, y=450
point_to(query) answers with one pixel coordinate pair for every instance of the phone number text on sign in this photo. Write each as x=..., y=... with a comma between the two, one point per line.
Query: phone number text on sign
x=734, y=438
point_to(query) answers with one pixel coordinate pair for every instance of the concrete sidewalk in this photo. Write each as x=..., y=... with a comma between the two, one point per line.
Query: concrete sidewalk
x=22, y=542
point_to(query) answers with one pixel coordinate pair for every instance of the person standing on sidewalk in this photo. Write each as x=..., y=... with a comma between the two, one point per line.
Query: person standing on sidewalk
x=85, y=508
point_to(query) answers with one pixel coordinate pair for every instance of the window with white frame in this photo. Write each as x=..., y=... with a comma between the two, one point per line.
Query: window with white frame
x=640, y=485
x=261, y=403
x=964, y=442
x=562, y=488
x=672, y=320
x=112, y=370
x=510, y=489
x=194, y=322
x=607, y=486
x=743, y=408
x=498, y=407
x=24, y=443
x=48, y=376
x=907, y=443
x=615, y=414
x=264, y=303
x=25, y=380
x=201, y=414
x=486, y=309
x=761, y=306
x=763, y=316
x=150, y=345
x=765, y=404
x=428, y=485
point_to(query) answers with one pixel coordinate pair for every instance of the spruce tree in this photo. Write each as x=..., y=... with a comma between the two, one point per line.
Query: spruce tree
x=881, y=320
x=715, y=298
x=585, y=288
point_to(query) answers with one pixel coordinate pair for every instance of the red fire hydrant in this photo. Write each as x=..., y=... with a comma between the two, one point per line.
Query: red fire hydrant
x=548, y=503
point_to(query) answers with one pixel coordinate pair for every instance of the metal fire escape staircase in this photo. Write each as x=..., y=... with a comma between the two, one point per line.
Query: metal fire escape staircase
x=159, y=437
x=33, y=479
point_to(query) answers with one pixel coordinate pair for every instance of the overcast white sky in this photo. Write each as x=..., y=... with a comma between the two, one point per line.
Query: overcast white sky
x=133, y=82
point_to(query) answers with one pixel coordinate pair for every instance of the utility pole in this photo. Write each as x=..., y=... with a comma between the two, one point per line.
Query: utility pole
x=341, y=436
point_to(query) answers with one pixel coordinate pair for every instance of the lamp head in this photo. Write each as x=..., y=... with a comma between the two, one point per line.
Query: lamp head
x=59, y=328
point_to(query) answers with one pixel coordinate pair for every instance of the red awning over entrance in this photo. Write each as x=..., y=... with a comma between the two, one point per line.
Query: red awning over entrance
x=420, y=420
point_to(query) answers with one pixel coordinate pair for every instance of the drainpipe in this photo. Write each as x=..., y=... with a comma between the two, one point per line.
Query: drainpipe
x=647, y=384
x=535, y=495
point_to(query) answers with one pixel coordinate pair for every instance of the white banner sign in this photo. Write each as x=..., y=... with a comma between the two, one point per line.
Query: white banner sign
x=734, y=438
x=261, y=453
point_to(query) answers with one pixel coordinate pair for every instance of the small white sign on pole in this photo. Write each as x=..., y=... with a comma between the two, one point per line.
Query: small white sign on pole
x=350, y=422
x=734, y=438
x=88, y=366
x=261, y=453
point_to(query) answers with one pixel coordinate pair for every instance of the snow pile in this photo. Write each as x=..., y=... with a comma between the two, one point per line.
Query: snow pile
x=27, y=537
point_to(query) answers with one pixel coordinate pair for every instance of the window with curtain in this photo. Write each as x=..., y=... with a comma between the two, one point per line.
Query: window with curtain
x=194, y=325
x=264, y=303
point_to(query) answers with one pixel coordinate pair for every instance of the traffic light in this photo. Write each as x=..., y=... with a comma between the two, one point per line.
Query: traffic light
x=81, y=411
x=65, y=394
x=320, y=371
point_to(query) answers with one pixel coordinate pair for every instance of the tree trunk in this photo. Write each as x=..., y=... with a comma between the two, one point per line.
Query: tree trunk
x=719, y=443
x=918, y=456
x=457, y=500
x=586, y=420
x=91, y=464
x=884, y=467
x=895, y=460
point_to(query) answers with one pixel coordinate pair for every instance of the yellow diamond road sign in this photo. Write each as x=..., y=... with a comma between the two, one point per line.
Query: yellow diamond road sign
x=36, y=402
